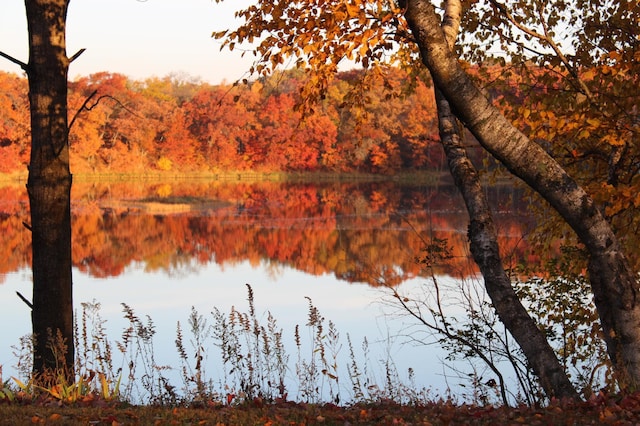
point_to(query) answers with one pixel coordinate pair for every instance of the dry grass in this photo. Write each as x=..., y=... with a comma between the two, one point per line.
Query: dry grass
x=245, y=349
x=411, y=177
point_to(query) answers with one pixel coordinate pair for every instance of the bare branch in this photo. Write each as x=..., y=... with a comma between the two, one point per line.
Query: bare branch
x=24, y=299
x=84, y=104
x=14, y=60
x=456, y=337
x=78, y=53
x=87, y=107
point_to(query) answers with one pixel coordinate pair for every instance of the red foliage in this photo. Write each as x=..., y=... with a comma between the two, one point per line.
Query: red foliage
x=132, y=126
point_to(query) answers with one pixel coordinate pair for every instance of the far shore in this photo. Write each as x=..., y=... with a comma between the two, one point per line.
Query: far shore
x=408, y=177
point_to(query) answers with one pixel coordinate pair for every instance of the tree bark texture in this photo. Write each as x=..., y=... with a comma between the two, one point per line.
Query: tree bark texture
x=484, y=248
x=49, y=187
x=614, y=285
x=483, y=239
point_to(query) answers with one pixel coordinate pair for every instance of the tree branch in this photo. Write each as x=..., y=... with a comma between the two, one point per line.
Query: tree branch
x=14, y=60
x=85, y=106
x=24, y=299
x=546, y=38
x=86, y=101
x=75, y=56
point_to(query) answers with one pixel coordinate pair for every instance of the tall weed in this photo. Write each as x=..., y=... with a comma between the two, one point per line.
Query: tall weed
x=222, y=359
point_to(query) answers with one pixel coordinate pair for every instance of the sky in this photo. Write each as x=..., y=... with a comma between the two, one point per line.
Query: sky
x=140, y=39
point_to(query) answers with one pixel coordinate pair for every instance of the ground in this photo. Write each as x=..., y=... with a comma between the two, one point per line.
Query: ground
x=598, y=410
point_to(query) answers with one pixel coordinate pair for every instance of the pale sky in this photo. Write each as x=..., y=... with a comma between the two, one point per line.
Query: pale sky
x=140, y=39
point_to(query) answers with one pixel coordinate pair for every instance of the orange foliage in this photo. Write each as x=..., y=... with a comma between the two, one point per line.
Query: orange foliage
x=167, y=124
x=14, y=123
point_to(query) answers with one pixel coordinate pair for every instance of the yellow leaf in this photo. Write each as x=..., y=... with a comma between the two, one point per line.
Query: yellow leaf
x=594, y=122
x=340, y=16
x=616, y=56
x=104, y=386
x=363, y=50
x=55, y=392
x=584, y=134
x=352, y=10
x=589, y=75
x=20, y=384
x=613, y=140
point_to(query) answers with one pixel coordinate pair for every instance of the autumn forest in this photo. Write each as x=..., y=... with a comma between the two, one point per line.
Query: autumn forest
x=182, y=125
x=179, y=125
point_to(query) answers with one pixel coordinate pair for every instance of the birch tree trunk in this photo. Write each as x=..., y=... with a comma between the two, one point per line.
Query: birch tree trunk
x=483, y=241
x=614, y=284
x=49, y=188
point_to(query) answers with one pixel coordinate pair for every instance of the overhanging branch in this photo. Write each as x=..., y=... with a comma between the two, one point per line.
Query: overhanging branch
x=86, y=101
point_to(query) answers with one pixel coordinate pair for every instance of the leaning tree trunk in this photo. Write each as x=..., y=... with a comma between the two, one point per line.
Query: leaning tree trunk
x=614, y=285
x=483, y=242
x=49, y=187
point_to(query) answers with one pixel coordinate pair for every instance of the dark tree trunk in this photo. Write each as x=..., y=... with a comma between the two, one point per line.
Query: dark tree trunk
x=49, y=187
x=614, y=284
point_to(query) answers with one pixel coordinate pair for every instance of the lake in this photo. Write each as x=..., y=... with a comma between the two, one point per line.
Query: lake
x=167, y=248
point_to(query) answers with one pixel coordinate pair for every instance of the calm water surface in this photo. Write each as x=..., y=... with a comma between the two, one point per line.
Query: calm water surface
x=165, y=248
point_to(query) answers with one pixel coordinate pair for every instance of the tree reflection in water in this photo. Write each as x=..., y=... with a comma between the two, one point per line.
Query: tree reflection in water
x=163, y=248
x=359, y=232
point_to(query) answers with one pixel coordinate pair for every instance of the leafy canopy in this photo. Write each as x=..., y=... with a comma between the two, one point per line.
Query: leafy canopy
x=319, y=36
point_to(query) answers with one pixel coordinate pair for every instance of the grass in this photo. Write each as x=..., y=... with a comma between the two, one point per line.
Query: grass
x=231, y=358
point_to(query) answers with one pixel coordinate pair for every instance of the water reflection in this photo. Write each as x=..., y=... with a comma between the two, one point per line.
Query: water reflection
x=364, y=232
x=164, y=248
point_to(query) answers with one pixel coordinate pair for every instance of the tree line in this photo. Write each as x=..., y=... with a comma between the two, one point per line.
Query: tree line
x=180, y=124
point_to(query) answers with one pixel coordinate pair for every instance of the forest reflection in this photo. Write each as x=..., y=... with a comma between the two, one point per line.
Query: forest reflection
x=372, y=232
